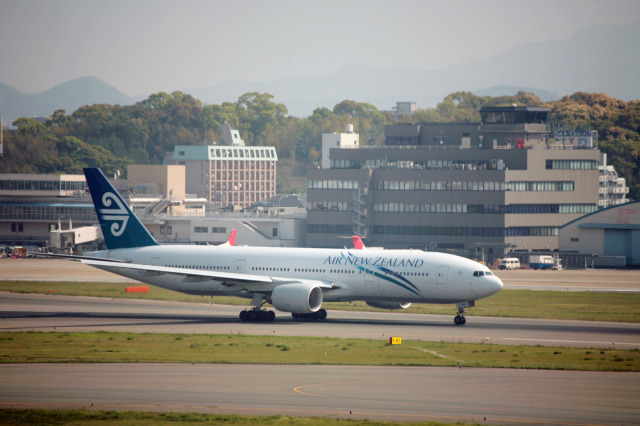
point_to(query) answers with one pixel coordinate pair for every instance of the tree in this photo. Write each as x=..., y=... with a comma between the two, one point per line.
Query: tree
x=29, y=126
x=257, y=113
x=618, y=126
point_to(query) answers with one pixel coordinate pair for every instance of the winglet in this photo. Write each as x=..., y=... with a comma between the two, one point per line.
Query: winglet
x=357, y=242
x=120, y=227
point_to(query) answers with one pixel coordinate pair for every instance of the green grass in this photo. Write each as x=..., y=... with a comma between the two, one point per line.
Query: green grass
x=110, y=347
x=117, y=418
x=585, y=306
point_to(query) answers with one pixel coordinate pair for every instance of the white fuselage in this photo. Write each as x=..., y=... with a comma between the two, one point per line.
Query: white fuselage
x=371, y=275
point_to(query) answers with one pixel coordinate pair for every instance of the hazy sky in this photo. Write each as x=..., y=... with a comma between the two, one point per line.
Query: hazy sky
x=146, y=46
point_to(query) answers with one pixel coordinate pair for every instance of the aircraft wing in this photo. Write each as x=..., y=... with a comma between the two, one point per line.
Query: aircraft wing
x=249, y=282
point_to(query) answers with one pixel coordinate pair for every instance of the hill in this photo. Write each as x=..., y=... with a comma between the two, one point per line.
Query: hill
x=68, y=96
x=599, y=59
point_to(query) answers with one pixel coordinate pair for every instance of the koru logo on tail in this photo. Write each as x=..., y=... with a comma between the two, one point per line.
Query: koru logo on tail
x=118, y=215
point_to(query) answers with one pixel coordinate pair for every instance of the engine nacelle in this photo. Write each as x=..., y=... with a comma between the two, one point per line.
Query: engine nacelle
x=300, y=298
x=389, y=305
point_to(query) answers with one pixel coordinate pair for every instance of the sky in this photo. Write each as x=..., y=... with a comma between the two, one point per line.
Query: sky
x=146, y=46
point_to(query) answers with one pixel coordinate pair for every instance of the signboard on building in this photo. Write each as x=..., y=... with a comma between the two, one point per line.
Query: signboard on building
x=579, y=138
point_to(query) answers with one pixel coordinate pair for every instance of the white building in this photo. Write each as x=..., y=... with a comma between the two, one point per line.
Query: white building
x=338, y=140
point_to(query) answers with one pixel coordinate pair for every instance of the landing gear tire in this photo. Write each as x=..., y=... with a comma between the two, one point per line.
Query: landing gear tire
x=460, y=320
x=255, y=315
x=313, y=316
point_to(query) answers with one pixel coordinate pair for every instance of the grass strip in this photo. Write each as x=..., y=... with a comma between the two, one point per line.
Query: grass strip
x=117, y=418
x=583, y=306
x=111, y=347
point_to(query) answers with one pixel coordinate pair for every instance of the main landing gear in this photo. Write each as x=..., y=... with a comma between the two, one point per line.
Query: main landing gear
x=257, y=315
x=318, y=315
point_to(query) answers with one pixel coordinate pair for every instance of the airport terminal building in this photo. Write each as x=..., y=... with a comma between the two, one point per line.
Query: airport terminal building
x=480, y=189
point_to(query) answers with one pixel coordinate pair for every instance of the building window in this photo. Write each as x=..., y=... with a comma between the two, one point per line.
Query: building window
x=17, y=227
x=274, y=232
x=219, y=230
x=571, y=165
x=201, y=229
x=540, y=186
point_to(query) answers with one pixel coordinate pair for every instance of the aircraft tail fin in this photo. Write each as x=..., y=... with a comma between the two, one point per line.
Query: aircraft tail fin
x=232, y=239
x=357, y=242
x=120, y=227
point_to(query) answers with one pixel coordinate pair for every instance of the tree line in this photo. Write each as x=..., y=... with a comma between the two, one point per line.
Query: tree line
x=112, y=136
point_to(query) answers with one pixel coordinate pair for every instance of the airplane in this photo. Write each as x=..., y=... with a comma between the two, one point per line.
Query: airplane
x=295, y=280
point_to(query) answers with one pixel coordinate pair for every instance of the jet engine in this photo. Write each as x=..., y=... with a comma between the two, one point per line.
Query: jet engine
x=299, y=298
x=389, y=305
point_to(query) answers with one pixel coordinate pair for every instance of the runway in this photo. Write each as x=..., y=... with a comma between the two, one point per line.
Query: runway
x=468, y=395
x=385, y=393
x=33, y=312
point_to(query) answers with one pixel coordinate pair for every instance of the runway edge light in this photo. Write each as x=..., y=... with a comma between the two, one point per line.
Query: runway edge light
x=395, y=340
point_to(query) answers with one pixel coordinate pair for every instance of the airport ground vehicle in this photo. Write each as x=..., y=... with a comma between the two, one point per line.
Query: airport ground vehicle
x=509, y=263
x=540, y=261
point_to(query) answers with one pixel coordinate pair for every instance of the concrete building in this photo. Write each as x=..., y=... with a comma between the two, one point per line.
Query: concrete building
x=32, y=205
x=613, y=189
x=610, y=236
x=478, y=189
x=57, y=211
x=230, y=175
x=159, y=197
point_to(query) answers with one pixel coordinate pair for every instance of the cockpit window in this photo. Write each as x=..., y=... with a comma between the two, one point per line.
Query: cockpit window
x=478, y=273
x=488, y=273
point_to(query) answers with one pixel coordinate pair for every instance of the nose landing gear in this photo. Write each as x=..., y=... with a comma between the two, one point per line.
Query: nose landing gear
x=460, y=319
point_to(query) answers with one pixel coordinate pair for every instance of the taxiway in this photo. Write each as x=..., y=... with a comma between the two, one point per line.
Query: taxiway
x=35, y=312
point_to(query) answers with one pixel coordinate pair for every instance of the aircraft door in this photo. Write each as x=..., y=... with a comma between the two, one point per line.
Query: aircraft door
x=240, y=266
x=443, y=271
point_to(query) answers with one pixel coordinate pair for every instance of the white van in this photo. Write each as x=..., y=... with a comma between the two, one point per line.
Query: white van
x=509, y=263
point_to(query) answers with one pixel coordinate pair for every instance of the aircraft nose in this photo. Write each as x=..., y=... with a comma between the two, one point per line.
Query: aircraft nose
x=496, y=285
x=492, y=285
